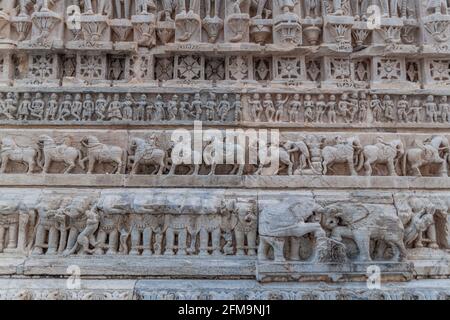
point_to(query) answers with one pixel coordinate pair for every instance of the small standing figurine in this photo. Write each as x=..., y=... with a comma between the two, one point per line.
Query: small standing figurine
x=197, y=107
x=100, y=107
x=185, y=108
x=88, y=108
x=343, y=108
x=255, y=107
x=416, y=108
x=115, y=108
x=139, y=114
x=353, y=106
x=10, y=105
x=77, y=107
x=279, y=106
x=159, y=108
x=211, y=107
x=403, y=109
x=127, y=107
x=309, y=109
x=37, y=107
x=430, y=107
x=52, y=108
x=389, y=111
x=172, y=108
x=320, y=108
x=224, y=107
x=377, y=108
x=444, y=108
x=331, y=106
x=363, y=107
x=24, y=107
x=237, y=108
x=269, y=109
x=294, y=108
x=312, y=8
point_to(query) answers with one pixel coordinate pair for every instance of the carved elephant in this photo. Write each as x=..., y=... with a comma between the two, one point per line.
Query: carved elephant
x=281, y=222
x=143, y=228
x=15, y=219
x=47, y=229
x=113, y=230
x=361, y=224
x=245, y=229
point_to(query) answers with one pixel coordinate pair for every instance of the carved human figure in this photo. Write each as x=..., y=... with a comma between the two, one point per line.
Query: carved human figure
x=255, y=107
x=100, y=107
x=169, y=7
x=237, y=108
x=269, y=109
x=279, y=107
x=77, y=107
x=141, y=105
x=51, y=111
x=431, y=109
x=343, y=108
x=377, y=108
x=142, y=152
x=65, y=108
x=337, y=9
x=86, y=238
x=211, y=105
x=37, y=107
x=145, y=6
x=10, y=108
x=353, y=106
x=331, y=106
x=312, y=8
x=416, y=109
x=115, y=108
x=127, y=107
x=389, y=8
x=403, y=109
x=158, y=114
x=389, y=109
x=88, y=108
x=360, y=9
x=172, y=108
x=24, y=108
x=309, y=109
x=363, y=107
x=294, y=107
x=444, y=109
x=187, y=7
x=286, y=6
x=224, y=108
x=185, y=108
x=320, y=108
x=197, y=107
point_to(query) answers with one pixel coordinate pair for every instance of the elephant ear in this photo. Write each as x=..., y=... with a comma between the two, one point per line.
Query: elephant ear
x=351, y=213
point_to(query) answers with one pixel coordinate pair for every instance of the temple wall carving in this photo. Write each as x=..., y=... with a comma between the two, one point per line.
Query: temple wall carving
x=274, y=144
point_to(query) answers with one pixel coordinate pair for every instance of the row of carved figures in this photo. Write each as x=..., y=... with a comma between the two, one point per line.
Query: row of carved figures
x=121, y=224
x=258, y=8
x=184, y=20
x=346, y=108
x=310, y=155
x=145, y=224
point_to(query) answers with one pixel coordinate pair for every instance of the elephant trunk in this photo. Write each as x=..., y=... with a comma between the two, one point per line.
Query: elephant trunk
x=403, y=164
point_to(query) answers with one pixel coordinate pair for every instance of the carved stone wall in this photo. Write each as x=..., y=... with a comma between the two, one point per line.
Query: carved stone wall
x=273, y=149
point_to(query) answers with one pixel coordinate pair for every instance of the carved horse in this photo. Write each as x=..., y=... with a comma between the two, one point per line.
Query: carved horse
x=344, y=151
x=10, y=151
x=141, y=152
x=210, y=155
x=381, y=152
x=427, y=153
x=102, y=153
x=59, y=153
